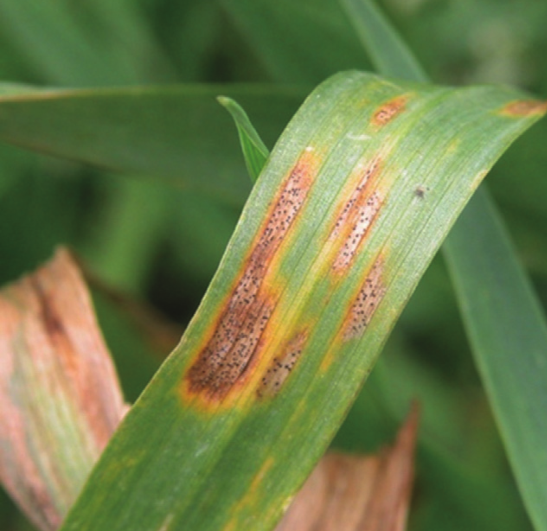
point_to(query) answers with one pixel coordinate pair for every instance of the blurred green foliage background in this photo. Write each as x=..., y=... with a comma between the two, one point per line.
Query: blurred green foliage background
x=161, y=243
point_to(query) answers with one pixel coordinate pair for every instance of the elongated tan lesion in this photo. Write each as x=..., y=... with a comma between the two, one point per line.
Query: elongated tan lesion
x=282, y=365
x=521, y=108
x=356, y=217
x=389, y=110
x=235, y=343
x=368, y=298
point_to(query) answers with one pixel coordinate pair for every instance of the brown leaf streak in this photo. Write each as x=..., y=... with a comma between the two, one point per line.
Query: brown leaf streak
x=50, y=319
x=281, y=366
x=363, y=307
x=234, y=344
x=55, y=371
x=356, y=217
x=389, y=110
x=523, y=108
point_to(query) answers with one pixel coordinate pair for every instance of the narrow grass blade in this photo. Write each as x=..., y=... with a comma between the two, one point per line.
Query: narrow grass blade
x=508, y=334
x=169, y=131
x=51, y=39
x=88, y=44
x=386, y=49
x=300, y=42
x=331, y=243
x=254, y=150
x=503, y=318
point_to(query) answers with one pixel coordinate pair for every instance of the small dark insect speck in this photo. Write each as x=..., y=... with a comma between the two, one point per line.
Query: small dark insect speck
x=420, y=192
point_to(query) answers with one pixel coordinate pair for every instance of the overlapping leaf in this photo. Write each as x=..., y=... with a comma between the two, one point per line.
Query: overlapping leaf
x=504, y=319
x=59, y=392
x=168, y=132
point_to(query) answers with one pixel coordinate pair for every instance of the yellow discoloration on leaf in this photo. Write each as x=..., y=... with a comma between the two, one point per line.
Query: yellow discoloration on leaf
x=453, y=146
x=235, y=342
x=254, y=493
x=523, y=108
x=359, y=204
x=389, y=110
x=240, y=353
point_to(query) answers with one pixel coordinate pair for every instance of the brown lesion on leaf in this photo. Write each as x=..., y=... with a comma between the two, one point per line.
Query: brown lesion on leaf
x=524, y=108
x=48, y=314
x=282, y=365
x=234, y=345
x=389, y=110
x=231, y=352
x=357, y=216
x=368, y=298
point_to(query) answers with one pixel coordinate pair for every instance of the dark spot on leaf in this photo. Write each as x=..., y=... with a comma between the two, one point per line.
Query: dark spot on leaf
x=282, y=365
x=357, y=215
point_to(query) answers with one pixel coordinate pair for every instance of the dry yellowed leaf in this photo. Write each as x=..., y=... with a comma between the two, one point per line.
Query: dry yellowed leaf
x=59, y=393
x=358, y=493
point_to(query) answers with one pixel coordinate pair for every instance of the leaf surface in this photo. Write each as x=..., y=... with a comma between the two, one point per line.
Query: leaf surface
x=352, y=204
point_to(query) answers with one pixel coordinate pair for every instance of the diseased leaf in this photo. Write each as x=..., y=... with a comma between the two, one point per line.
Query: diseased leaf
x=59, y=394
x=353, y=202
x=254, y=150
x=358, y=493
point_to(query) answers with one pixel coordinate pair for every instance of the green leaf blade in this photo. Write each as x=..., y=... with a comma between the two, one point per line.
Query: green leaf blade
x=164, y=132
x=507, y=329
x=330, y=245
x=387, y=51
